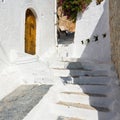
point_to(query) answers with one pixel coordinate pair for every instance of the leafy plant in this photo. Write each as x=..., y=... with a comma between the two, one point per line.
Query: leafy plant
x=72, y=7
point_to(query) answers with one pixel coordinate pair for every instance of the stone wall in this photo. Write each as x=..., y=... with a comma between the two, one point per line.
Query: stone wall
x=114, y=9
x=63, y=22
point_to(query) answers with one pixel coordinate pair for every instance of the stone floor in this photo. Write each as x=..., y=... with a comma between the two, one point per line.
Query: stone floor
x=19, y=103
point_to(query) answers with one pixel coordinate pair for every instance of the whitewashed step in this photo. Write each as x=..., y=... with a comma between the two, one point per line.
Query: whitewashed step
x=85, y=94
x=83, y=106
x=88, y=89
x=67, y=118
x=88, y=63
x=80, y=65
x=22, y=58
x=66, y=65
x=93, y=80
x=82, y=80
x=35, y=72
x=87, y=100
x=81, y=113
x=64, y=51
x=73, y=59
x=66, y=72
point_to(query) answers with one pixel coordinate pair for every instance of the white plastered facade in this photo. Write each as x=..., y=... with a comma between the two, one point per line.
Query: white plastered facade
x=93, y=22
x=12, y=25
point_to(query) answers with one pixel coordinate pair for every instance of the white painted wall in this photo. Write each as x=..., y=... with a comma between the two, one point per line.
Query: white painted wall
x=94, y=21
x=12, y=25
x=17, y=67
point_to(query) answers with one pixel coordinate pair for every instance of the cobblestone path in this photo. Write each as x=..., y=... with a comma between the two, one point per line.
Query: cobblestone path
x=19, y=103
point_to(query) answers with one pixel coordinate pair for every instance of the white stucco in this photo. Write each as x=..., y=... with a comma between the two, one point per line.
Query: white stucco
x=16, y=66
x=94, y=21
x=12, y=25
x=21, y=68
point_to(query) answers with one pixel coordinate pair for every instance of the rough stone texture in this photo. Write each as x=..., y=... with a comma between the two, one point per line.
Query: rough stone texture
x=64, y=23
x=114, y=8
x=18, y=104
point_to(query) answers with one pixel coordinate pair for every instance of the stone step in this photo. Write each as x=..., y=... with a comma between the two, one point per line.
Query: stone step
x=89, y=89
x=36, y=74
x=80, y=65
x=64, y=50
x=20, y=102
x=86, y=80
x=69, y=59
x=68, y=65
x=86, y=99
x=67, y=118
x=74, y=73
x=22, y=58
x=81, y=111
x=82, y=61
x=83, y=106
x=85, y=94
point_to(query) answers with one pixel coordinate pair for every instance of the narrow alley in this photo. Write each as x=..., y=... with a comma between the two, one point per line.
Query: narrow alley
x=75, y=76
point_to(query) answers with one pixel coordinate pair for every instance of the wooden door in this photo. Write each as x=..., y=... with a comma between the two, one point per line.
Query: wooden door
x=30, y=33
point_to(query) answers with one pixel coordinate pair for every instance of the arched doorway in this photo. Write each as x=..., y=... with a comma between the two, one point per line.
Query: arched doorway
x=30, y=32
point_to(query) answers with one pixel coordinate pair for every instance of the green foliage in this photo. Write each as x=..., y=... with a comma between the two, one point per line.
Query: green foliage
x=72, y=7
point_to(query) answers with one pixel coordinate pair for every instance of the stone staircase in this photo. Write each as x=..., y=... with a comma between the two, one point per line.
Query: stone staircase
x=86, y=94
x=83, y=90
x=86, y=91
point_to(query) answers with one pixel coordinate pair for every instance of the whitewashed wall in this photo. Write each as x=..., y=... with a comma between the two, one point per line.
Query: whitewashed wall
x=94, y=21
x=12, y=25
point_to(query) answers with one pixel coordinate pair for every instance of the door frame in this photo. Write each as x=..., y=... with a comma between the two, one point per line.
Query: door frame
x=37, y=31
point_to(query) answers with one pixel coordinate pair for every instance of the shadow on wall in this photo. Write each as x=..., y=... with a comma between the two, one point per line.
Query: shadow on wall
x=88, y=80
x=97, y=46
